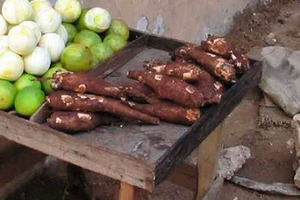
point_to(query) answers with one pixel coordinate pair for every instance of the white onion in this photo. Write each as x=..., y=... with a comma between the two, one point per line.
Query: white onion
x=16, y=11
x=54, y=45
x=33, y=26
x=3, y=26
x=11, y=66
x=97, y=19
x=70, y=10
x=3, y=44
x=39, y=5
x=38, y=62
x=48, y=20
x=22, y=40
x=63, y=33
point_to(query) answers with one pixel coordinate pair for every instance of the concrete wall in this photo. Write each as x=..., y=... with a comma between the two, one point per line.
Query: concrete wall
x=188, y=20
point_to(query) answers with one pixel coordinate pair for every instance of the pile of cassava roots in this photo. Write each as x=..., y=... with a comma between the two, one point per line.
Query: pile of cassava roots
x=173, y=91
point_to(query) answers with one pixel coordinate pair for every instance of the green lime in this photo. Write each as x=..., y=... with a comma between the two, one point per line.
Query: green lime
x=72, y=31
x=100, y=52
x=28, y=100
x=87, y=38
x=76, y=58
x=48, y=75
x=118, y=26
x=27, y=80
x=115, y=41
x=7, y=95
x=58, y=64
x=80, y=22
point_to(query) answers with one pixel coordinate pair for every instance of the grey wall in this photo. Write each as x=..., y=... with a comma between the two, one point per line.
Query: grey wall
x=188, y=20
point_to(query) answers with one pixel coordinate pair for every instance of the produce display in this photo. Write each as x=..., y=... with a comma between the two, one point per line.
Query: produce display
x=172, y=91
x=38, y=39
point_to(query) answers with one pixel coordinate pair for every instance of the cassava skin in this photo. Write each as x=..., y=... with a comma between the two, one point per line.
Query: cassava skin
x=211, y=89
x=71, y=101
x=138, y=91
x=186, y=71
x=222, y=47
x=215, y=65
x=83, y=82
x=169, y=112
x=78, y=121
x=170, y=88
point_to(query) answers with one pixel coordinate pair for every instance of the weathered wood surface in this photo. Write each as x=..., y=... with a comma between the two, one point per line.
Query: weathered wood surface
x=71, y=149
x=208, y=157
x=127, y=192
x=141, y=155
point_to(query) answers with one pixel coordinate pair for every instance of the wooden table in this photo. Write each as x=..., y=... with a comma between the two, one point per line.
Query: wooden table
x=136, y=155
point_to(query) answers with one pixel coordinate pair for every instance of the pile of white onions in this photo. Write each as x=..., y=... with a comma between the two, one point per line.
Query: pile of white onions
x=32, y=36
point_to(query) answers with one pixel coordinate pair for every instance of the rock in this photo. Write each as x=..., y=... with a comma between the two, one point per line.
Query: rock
x=297, y=178
x=281, y=78
x=296, y=131
x=271, y=39
x=231, y=160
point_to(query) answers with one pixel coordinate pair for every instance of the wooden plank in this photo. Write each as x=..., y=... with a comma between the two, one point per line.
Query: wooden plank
x=127, y=192
x=163, y=43
x=207, y=123
x=208, y=157
x=112, y=164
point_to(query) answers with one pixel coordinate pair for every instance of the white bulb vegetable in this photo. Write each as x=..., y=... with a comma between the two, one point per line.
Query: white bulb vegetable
x=38, y=62
x=3, y=44
x=97, y=19
x=54, y=45
x=33, y=26
x=22, y=40
x=3, y=26
x=48, y=20
x=16, y=11
x=63, y=33
x=39, y=5
x=11, y=66
x=70, y=10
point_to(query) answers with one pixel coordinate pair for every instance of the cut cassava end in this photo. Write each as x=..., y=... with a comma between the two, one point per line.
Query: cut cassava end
x=78, y=121
x=215, y=65
x=71, y=101
x=170, y=88
x=169, y=112
x=222, y=47
x=84, y=82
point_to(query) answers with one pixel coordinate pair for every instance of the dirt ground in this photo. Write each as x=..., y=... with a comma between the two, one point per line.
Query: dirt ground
x=272, y=155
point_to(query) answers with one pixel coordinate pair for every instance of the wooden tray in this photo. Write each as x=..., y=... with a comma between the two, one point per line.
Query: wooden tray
x=141, y=155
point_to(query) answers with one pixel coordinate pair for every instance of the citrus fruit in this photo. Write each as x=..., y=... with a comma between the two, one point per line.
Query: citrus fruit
x=87, y=38
x=100, y=52
x=48, y=75
x=72, y=31
x=76, y=57
x=27, y=80
x=58, y=64
x=28, y=100
x=80, y=22
x=115, y=41
x=7, y=95
x=120, y=27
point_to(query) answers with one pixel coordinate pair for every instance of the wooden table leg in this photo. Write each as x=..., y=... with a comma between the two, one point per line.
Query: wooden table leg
x=208, y=157
x=127, y=192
